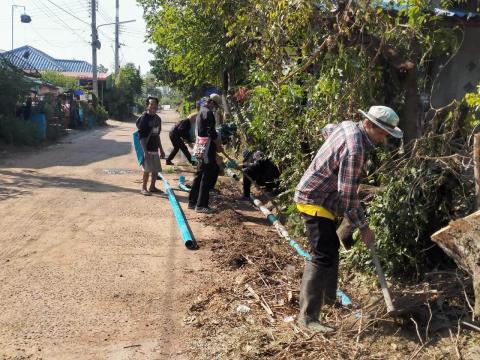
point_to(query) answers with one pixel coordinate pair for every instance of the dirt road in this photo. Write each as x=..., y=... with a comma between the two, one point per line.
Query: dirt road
x=91, y=269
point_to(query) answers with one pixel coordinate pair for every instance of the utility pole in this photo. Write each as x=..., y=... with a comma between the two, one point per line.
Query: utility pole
x=117, y=29
x=95, y=44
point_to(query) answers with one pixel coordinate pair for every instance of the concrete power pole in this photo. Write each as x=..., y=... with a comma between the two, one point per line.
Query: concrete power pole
x=117, y=42
x=94, y=48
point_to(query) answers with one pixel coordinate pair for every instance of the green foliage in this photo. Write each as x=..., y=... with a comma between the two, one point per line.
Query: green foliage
x=191, y=41
x=151, y=86
x=422, y=194
x=127, y=87
x=305, y=67
x=58, y=79
x=55, y=132
x=473, y=99
x=186, y=107
x=100, y=114
x=18, y=131
x=171, y=97
x=14, y=86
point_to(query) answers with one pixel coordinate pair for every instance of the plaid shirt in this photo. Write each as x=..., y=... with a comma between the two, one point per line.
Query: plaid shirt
x=332, y=178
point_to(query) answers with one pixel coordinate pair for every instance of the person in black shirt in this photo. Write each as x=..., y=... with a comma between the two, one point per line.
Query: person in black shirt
x=180, y=133
x=206, y=161
x=149, y=126
x=263, y=171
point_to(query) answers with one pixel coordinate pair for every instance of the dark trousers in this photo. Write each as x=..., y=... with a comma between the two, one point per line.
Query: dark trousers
x=178, y=144
x=269, y=183
x=202, y=183
x=247, y=184
x=215, y=177
x=324, y=244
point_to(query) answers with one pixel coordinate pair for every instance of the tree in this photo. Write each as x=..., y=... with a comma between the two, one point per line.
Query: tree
x=192, y=42
x=14, y=86
x=58, y=79
x=151, y=86
x=127, y=85
x=102, y=69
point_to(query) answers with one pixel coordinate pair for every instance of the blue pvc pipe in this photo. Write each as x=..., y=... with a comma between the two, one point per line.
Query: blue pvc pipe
x=181, y=222
x=183, y=187
x=344, y=299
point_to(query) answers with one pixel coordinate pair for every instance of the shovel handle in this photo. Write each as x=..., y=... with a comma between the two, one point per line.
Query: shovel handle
x=383, y=282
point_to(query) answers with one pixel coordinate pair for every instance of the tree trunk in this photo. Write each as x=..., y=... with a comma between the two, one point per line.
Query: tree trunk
x=461, y=241
x=411, y=113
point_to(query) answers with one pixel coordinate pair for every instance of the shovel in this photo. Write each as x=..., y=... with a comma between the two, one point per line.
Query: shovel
x=344, y=233
x=391, y=310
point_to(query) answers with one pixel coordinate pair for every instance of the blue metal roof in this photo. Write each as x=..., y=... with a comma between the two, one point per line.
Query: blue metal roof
x=29, y=58
x=450, y=12
x=76, y=65
x=396, y=6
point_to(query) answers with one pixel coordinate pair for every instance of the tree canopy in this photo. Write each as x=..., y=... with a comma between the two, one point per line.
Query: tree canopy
x=302, y=64
x=127, y=86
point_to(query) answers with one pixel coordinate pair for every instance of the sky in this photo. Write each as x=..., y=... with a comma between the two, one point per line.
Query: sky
x=62, y=36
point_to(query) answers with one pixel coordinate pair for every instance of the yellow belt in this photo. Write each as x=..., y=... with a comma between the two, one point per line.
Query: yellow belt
x=315, y=210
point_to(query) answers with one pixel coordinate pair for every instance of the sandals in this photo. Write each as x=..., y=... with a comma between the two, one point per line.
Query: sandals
x=155, y=191
x=204, y=210
x=145, y=193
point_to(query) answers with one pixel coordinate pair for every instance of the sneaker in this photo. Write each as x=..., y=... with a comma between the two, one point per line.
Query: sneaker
x=191, y=206
x=204, y=210
x=145, y=192
x=169, y=162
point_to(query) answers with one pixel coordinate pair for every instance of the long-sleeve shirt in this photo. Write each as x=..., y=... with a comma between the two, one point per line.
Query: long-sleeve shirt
x=206, y=128
x=332, y=179
x=182, y=128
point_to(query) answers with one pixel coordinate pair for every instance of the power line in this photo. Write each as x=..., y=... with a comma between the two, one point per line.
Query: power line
x=45, y=40
x=66, y=25
x=72, y=8
x=69, y=13
x=105, y=15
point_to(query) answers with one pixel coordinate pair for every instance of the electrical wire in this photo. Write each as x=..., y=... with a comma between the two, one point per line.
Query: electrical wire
x=48, y=42
x=63, y=22
x=68, y=12
x=38, y=12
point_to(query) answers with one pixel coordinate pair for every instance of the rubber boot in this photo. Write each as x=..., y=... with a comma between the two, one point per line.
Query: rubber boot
x=312, y=296
x=331, y=280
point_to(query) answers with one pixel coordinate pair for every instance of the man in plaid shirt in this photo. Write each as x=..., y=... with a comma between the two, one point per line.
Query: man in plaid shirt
x=329, y=188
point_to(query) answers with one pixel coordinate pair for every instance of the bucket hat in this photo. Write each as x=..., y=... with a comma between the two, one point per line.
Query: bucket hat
x=386, y=118
x=217, y=98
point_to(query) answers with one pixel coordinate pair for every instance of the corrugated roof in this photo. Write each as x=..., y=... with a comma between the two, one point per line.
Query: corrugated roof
x=76, y=65
x=447, y=12
x=29, y=58
x=395, y=5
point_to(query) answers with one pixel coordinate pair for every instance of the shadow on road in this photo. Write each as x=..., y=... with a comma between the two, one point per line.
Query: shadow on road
x=76, y=150
x=14, y=184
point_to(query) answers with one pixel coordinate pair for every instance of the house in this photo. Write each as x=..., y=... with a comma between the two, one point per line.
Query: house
x=33, y=61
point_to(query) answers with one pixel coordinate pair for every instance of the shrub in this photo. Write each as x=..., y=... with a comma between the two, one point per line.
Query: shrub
x=55, y=132
x=18, y=131
x=101, y=114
